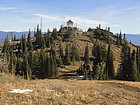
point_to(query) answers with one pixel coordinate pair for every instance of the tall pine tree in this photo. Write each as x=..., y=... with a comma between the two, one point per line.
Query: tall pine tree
x=29, y=42
x=109, y=71
x=99, y=53
x=125, y=70
x=134, y=70
x=67, y=56
x=87, y=68
x=120, y=38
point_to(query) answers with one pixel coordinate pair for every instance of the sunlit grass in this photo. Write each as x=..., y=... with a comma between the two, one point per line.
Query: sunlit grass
x=67, y=92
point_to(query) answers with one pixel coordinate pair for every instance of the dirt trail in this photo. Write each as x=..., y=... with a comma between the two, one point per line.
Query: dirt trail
x=121, y=93
x=123, y=86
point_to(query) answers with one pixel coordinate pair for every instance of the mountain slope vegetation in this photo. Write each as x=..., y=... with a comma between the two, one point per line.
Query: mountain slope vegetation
x=96, y=54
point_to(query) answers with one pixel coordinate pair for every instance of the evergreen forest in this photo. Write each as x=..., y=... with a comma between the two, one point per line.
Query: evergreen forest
x=43, y=54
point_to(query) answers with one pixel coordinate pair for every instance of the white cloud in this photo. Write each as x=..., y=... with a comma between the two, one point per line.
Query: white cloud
x=7, y=8
x=84, y=21
x=115, y=25
x=48, y=17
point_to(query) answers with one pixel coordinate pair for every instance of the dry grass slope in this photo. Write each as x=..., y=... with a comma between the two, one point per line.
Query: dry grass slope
x=68, y=92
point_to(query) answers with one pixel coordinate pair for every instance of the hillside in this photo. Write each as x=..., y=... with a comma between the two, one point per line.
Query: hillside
x=82, y=39
x=68, y=92
x=25, y=80
x=68, y=36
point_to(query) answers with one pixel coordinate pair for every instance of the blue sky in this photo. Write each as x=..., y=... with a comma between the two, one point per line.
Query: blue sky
x=22, y=15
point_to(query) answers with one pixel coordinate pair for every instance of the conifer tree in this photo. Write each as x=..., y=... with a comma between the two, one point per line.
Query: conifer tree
x=134, y=70
x=30, y=59
x=27, y=72
x=118, y=41
x=11, y=64
x=48, y=42
x=86, y=62
x=85, y=73
x=99, y=72
x=61, y=52
x=99, y=53
x=24, y=43
x=75, y=53
x=102, y=71
x=37, y=35
x=86, y=55
x=110, y=72
x=80, y=71
x=20, y=48
x=15, y=38
x=108, y=35
x=55, y=62
x=67, y=55
x=120, y=38
x=59, y=61
x=35, y=63
x=43, y=43
x=53, y=71
x=124, y=38
x=29, y=42
x=52, y=63
x=18, y=67
x=138, y=61
x=125, y=69
x=42, y=61
x=39, y=39
x=6, y=49
x=35, y=32
x=54, y=34
x=48, y=67
x=138, y=58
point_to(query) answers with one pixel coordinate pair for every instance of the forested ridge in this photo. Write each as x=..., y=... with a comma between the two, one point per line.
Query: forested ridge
x=41, y=55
